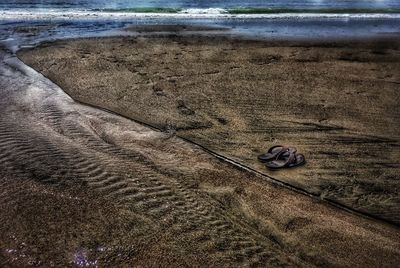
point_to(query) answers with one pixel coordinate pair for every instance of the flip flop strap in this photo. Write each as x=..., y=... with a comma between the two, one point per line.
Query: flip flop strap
x=290, y=159
x=276, y=146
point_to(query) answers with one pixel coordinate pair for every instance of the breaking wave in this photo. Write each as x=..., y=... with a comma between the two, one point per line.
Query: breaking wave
x=250, y=10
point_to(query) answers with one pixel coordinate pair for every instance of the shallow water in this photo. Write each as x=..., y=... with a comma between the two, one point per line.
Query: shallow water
x=256, y=28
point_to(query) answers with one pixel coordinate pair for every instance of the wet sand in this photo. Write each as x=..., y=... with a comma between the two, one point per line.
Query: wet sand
x=336, y=102
x=85, y=187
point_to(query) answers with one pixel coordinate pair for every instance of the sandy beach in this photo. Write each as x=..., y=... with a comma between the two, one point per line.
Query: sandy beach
x=175, y=181
x=335, y=102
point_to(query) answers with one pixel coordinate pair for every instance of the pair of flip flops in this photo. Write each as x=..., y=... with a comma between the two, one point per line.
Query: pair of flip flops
x=279, y=156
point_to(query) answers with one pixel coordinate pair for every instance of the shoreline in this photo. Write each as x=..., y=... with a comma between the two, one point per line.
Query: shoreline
x=279, y=29
x=215, y=33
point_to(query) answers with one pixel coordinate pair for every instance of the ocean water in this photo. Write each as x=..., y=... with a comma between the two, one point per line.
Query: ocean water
x=270, y=19
x=290, y=5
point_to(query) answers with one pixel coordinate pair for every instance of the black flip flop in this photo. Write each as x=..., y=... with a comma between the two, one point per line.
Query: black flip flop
x=286, y=160
x=273, y=152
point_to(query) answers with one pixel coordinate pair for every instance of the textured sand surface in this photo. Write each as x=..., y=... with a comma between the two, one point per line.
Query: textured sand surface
x=337, y=103
x=83, y=187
